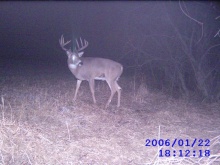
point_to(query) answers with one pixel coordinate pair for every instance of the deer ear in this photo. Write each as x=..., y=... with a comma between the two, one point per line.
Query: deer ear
x=69, y=53
x=80, y=54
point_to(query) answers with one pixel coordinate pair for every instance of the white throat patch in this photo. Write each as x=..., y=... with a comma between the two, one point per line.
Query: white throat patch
x=72, y=66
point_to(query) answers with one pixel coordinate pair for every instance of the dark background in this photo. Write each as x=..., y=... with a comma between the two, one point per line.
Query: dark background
x=30, y=30
x=175, y=51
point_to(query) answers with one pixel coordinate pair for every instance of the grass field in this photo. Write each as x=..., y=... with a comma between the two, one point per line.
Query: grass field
x=41, y=124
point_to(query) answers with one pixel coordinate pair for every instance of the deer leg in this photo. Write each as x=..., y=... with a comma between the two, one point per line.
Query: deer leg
x=119, y=94
x=92, y=86
x=77, y=88
x=113, y=90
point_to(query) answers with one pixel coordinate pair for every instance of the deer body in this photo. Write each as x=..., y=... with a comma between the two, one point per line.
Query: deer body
x=93, y=68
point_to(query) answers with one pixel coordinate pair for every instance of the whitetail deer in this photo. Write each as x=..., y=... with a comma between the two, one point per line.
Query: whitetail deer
x=92, y=68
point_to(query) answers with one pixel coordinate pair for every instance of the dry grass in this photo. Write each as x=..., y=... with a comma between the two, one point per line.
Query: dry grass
x=40, y=124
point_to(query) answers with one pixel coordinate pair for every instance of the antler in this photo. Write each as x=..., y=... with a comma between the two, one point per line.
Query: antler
x=62, y=43
x=83, y=46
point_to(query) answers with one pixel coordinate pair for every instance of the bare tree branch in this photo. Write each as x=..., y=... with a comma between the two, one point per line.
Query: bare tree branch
x=218, y=33
x=200, y=23
x=211, y=47
x=217, y=17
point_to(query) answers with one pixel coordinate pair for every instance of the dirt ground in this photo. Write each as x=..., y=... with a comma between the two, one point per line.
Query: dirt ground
x=41, y=124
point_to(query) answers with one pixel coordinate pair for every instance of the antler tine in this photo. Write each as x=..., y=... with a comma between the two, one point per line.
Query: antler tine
x=62, y=43
x=83, y=46
x=81, y=41
x=77, y=44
